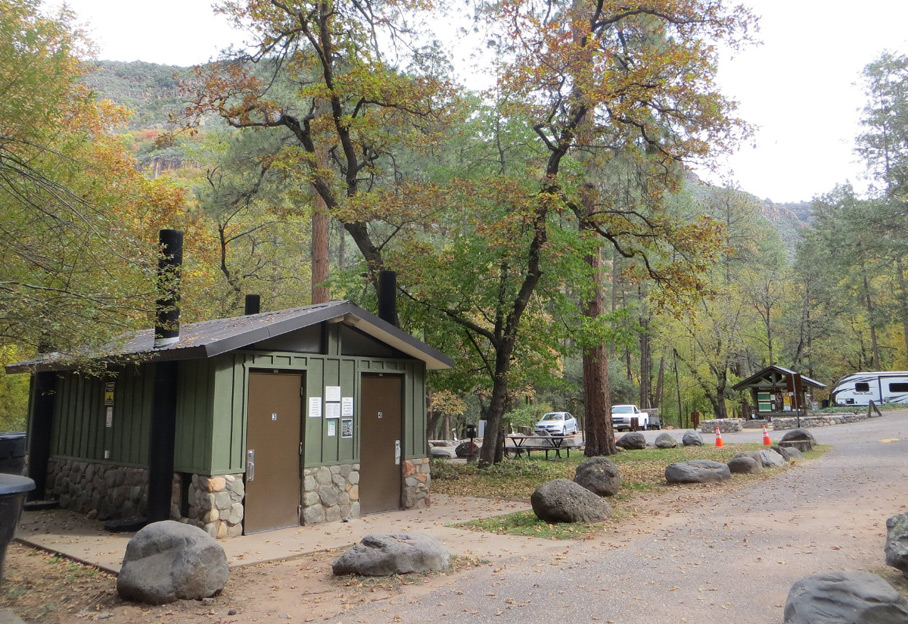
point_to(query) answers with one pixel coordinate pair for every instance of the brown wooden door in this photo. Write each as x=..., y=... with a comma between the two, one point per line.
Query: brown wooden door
x=273, y=480
x=381, y=416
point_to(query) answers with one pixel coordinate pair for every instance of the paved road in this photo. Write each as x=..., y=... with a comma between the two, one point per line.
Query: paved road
x=728, y=559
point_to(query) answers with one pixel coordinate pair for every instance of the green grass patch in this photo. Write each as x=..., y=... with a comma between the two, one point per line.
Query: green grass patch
x=525, y=523
x=642, y=473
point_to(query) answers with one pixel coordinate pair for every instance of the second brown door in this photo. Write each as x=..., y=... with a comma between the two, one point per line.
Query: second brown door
x=380, y=413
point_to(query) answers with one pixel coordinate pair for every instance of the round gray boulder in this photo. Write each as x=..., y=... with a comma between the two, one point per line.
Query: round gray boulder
x=697, y=471
x=599, y=475
x=633, y=441
x=845, y=598
x=692, y=438
x=402, y=553
x=897, y=542
x=168, y=561
x=562, y=500
x=666, y=440
x=744, y=465
x=789, y=453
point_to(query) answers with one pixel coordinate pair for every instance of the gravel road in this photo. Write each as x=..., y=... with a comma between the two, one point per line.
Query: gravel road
x=731, y=559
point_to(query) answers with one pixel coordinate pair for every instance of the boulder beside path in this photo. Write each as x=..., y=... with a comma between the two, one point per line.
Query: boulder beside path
x=401, y=553
x=845, y=597
x=697, y=471
x=562, y=500
x=168, y=561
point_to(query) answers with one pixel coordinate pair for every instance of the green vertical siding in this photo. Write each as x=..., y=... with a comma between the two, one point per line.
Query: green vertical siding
x=211, y=410
x=80, y=417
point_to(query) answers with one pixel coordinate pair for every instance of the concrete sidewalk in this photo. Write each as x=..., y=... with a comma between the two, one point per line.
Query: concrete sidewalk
x=78, y=538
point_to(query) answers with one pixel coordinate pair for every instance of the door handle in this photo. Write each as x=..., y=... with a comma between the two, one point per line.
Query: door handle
x=250, y=465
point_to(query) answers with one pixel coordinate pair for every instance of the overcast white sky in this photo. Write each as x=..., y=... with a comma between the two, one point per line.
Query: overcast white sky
x=801, y=88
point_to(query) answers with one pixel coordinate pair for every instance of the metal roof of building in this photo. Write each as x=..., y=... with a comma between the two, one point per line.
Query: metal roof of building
x=771, y=376
x=210, y=338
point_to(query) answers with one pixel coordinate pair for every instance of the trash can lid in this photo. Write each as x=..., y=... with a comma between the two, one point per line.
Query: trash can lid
x=14, y=484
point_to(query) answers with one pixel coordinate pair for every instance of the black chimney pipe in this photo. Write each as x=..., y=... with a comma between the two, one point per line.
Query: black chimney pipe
x=162, y=434
x=253, y=304
x=167, y=317
x=387, y=296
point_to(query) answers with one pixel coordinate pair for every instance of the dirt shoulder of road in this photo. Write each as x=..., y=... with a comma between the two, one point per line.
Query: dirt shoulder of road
x=43, y=588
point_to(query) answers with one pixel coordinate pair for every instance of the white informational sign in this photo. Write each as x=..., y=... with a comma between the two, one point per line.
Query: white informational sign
x=332, y=429
x=315, y=407
x=347, y=406
x=332, y=410
x=110, y=416
x=332, y=394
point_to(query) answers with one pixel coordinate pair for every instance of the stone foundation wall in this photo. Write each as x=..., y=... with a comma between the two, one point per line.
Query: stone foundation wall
x=725, y=425
x=102, y=491
x=817, y=420
x=215, y=504
x=330, y=493
x=416, y=481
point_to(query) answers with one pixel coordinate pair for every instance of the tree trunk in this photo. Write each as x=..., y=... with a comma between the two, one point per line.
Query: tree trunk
x=903, y=298
x=875, y=350
x=599, y=437
x=320, y=222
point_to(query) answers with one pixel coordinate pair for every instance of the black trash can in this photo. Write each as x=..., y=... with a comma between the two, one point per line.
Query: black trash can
x=12, y=453
x=13, y=490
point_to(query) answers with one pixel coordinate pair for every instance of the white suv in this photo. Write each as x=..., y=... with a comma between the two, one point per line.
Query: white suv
x=622, y=414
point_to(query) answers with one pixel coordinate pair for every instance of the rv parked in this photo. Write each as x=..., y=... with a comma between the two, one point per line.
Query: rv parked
x=879, y=387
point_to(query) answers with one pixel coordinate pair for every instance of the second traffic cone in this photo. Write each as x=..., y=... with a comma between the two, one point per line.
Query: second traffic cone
x=719, y=441
x=766, y=440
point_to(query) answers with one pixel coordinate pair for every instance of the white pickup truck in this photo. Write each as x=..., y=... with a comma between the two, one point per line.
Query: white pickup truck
x=622, y=414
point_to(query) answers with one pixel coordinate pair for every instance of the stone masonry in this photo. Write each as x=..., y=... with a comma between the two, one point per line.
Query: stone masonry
x=416, y=484
x=101, y=491
x=215, y=504
x=330, y=493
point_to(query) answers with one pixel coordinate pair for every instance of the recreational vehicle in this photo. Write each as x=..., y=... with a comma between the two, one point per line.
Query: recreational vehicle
x=879, y=387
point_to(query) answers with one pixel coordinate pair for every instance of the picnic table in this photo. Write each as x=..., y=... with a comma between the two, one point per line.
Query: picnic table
x=528, y=443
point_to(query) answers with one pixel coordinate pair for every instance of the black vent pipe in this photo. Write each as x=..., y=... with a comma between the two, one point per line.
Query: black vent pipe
x=387, y=296
x=253, y=304
x=162, y=434
x=167, y=317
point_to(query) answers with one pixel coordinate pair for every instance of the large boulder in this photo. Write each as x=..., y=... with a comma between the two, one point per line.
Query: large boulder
x=801, y=439
x=771, y=459
x=168, y=561
x=599, y=475
x=562, y=500
x=666, y=440
x=402, y=553
x=692, y=438
x=789, y=453
x=697, y=471
x=633, y=441
x=845, y=598
x=742, y=464
x=897, y=542
x=767, y=458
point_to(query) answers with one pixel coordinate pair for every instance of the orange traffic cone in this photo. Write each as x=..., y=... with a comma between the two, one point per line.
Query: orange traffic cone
x=719, y=441
x=766, y=440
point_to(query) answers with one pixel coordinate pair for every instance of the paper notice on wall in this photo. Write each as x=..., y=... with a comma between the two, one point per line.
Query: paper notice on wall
x=315, y=407
x=347, y=406
x=332, y=428
x=332, y=410
x=332, y=393
x=347, y=428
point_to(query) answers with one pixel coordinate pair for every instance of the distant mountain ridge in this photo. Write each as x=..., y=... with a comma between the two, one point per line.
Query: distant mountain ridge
x=152, y=92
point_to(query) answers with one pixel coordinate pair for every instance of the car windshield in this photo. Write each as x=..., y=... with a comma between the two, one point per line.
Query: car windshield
x=554, y=416
x=623, y=409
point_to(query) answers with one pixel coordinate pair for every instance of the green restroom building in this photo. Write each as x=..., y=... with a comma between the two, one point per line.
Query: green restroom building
x=240, y=425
